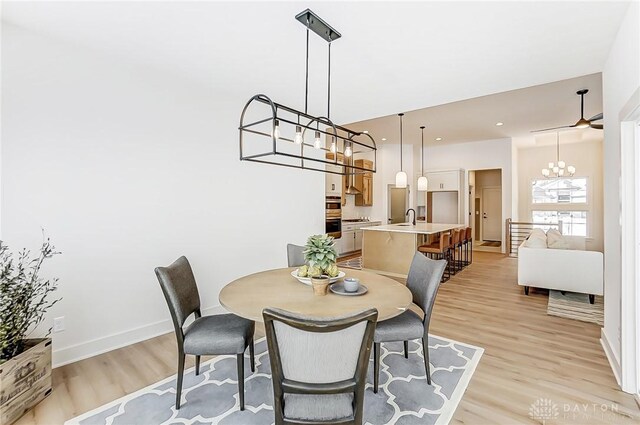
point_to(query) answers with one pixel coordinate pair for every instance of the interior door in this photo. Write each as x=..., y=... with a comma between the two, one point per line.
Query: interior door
x=397, y=204
x=491, y=214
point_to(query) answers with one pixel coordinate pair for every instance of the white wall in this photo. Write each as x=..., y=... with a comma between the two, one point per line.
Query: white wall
x=620, y=80
x=587, y=158
x=128, y=168
x=483, y=155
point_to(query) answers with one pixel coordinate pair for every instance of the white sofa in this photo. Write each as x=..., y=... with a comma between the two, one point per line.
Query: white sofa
x=570, y=269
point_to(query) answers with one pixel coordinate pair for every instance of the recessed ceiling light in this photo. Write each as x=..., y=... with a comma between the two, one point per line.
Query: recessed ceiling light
x=438, y=139
x=499, y=123
x=384, y=140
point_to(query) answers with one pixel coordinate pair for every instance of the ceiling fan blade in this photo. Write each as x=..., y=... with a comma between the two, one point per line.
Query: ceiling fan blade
x=597, y=126
x=552, y=128
x=596, y=117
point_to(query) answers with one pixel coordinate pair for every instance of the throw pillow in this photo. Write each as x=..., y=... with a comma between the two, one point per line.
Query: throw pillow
x=535, y=241
x=539, y=233
x=553, y=236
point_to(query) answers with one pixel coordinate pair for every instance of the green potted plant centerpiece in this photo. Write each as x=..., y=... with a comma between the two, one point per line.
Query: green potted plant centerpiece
x=25, y=363
x=320, y=256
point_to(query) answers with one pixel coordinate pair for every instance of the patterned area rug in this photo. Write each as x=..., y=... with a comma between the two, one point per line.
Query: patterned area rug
x=354, y=263
x=212, y=397
x=576, y=306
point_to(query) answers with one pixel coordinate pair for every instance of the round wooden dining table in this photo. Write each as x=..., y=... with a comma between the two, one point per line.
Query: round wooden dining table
x=249, y=295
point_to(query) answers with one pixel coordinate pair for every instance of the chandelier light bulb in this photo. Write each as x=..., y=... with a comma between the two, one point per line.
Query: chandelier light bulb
x=556, y=169
x=276, y=130
x=561, y=164
x=401, y=180
x=348, y=151
x=551, y=165
x=317, y=143
x=423, y=184
x=545, y=172
x=333, y=145
x=561, y=172
x=298, y=138
x=571, y=169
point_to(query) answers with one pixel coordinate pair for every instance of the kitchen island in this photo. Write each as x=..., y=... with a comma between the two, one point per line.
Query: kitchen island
x=389, y=249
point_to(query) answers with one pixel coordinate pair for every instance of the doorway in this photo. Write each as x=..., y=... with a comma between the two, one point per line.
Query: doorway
x=398, y=204
x=485, y=209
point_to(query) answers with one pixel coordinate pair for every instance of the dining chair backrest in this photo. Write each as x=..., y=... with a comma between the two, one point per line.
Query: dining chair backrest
x=180, y=290
x=295, y=255
x=423, y=281
x=311, y=355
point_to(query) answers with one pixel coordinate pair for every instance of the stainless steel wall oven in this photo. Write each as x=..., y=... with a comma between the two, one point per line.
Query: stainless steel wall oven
x=333, y=216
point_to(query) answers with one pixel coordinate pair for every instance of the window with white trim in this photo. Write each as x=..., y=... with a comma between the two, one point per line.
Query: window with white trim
x=563, y=200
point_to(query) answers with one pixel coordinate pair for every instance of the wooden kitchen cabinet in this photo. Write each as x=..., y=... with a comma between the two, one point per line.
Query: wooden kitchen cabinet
x=364, y=183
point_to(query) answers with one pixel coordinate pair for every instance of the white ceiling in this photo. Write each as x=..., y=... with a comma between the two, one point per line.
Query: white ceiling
x=520, y=111
x=394, y=56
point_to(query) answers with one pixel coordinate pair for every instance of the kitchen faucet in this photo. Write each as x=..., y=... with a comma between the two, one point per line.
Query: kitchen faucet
x=414, y=215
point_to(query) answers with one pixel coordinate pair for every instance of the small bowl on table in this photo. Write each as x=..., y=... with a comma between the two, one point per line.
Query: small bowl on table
x=351, y=284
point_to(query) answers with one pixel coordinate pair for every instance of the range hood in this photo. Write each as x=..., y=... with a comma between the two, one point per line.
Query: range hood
x=351, y=189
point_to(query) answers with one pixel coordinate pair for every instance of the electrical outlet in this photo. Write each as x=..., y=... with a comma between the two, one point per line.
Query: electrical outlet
x=58, y=324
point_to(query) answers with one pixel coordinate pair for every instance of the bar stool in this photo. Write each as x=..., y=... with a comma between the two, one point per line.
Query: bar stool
x=468, y=246
x=438, y=251
x=452, y=249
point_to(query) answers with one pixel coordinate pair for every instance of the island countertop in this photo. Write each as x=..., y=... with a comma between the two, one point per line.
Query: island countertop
x=421, y=228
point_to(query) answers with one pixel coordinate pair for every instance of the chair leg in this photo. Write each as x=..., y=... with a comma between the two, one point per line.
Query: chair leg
x=592, y=299
x=252, y=352
x=180, y=376
x=526, y=290
x=406, y=349
x=425, y=354
x=197, y=365
x=240, y=359
x=376, y=365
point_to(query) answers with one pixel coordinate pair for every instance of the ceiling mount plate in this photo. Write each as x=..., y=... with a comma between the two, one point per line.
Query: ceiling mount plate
x=581, y=92
x=317, y=25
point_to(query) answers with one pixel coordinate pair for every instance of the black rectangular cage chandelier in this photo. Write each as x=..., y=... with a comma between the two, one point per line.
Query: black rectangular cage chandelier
x=276, y=134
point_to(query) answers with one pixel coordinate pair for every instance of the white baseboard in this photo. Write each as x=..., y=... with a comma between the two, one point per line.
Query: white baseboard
x=613, y=359
x=102, y=345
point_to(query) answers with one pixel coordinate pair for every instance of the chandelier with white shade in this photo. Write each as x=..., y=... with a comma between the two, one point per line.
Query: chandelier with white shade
x=558, y=168
x=401, y=176
x=423, y=183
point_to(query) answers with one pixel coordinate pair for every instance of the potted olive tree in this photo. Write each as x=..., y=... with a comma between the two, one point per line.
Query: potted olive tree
x=320, y=256
x=25, y=363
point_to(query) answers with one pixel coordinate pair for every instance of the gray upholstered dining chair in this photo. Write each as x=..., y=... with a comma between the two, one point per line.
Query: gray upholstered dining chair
x=208, y=335
x=295, y=255
x=319, y=366
x=423, y=281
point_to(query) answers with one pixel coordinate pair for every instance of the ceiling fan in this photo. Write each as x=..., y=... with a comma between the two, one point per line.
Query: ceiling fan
x=582, y=123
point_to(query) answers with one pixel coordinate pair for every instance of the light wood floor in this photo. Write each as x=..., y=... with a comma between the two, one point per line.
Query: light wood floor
x=528, y=355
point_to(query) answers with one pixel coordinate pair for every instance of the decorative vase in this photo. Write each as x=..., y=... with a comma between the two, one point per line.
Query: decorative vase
x=320, y=285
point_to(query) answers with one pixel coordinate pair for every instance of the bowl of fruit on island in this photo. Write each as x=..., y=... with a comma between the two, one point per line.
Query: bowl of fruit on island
x=320, y=257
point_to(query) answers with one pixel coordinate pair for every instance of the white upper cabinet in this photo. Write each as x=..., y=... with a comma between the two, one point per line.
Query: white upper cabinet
x=444, y=181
